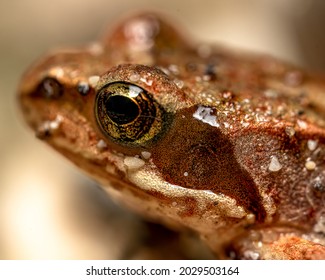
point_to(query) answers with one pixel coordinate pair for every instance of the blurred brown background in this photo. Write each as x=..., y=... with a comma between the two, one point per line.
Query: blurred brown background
x=47, y=209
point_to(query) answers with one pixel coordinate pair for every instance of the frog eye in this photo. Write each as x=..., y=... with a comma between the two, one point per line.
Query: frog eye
x=50, y=88
x=128, y=114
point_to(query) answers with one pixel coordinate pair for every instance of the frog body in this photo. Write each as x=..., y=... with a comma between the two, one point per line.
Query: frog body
x=230, y=145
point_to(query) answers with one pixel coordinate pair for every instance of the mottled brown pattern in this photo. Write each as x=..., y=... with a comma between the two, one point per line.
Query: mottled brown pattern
x=239, y=159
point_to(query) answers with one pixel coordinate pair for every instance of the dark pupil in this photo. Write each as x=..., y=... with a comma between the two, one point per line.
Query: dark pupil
x=121, y=109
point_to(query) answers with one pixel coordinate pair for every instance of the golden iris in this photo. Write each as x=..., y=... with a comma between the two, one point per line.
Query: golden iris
x=128, y=114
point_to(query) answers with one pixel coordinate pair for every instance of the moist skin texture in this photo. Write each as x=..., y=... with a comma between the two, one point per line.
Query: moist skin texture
x=227, y=144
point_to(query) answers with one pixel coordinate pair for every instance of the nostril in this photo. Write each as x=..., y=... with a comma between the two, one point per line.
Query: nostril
x=50, y=88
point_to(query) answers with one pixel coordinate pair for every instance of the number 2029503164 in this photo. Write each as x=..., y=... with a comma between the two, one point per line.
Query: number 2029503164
x=206, y=270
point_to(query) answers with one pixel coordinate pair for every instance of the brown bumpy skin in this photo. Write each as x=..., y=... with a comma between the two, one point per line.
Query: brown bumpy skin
x=226, y=144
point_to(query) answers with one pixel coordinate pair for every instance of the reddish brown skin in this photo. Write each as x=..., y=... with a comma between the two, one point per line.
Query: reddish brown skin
x=264, y=108
x=209, y=144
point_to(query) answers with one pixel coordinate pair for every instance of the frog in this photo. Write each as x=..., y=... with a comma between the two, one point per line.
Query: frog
x=224, y=143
